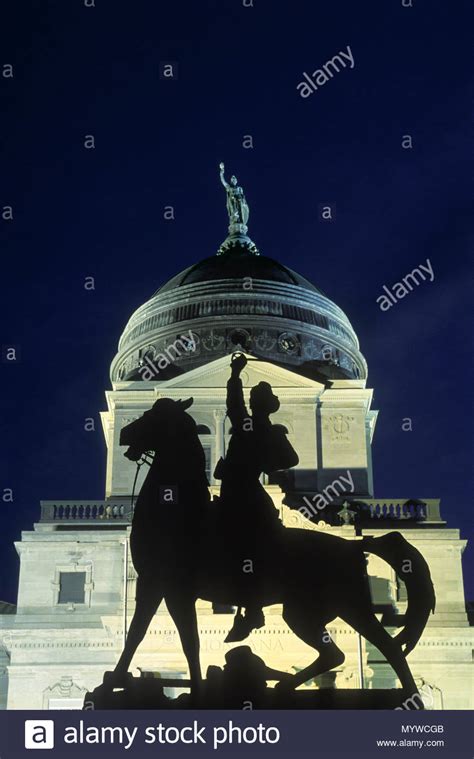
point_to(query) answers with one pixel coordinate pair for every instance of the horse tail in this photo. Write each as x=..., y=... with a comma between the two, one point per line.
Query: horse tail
x=412, y=568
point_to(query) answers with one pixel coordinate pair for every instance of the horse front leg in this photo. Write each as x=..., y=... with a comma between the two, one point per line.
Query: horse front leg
x=182, y=608
x=148, y=598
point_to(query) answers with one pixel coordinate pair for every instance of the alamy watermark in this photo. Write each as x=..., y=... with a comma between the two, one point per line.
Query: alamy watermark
x=151, y=367
x=398, y=290
x=319, y=501
x=319, y=77
x=422, y=700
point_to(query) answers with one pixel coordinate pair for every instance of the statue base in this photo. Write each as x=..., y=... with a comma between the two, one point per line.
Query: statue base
x=238, y=242
x=148, y=693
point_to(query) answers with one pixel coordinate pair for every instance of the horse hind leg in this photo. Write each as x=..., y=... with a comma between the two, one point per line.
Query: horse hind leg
x=372, y=630
x=312, y=631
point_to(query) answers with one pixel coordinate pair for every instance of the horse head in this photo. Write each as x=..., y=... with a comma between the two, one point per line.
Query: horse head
x=166, y=421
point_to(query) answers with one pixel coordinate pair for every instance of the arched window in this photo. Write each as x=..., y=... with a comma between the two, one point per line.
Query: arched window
x=203, y=429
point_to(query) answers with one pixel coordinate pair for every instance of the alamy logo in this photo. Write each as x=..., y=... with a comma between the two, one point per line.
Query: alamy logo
x=39, y=733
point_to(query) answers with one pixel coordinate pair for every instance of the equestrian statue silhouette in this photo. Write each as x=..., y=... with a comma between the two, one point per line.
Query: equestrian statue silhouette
x=234, y=550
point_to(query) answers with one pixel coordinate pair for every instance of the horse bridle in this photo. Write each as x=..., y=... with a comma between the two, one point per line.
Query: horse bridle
x=145, y=458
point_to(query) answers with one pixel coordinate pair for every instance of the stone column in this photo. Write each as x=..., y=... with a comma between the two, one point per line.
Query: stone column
x=219, y=416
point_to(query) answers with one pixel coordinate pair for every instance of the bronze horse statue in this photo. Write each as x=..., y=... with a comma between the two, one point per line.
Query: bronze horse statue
x=180, y=556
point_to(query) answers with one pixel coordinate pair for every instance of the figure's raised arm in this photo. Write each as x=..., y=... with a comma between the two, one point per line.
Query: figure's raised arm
x=236, y=408
x=226, y=184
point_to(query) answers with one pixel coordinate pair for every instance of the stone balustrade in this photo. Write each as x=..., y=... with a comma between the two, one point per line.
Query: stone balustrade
x=120, y=511
x=86, y=511
x=402, y=509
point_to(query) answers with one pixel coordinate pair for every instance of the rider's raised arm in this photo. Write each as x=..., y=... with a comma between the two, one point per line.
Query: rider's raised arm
x=236, y=408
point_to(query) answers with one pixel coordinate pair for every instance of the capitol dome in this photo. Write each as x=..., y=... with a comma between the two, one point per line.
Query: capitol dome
x=239, y=299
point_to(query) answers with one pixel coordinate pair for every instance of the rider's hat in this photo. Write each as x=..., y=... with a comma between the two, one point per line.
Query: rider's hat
x=263, y=398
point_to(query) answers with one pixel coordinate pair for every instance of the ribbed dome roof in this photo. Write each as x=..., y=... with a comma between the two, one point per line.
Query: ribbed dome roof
x=237, y=264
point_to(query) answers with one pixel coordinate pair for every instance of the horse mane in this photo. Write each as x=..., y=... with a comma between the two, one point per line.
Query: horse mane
x=183, y=439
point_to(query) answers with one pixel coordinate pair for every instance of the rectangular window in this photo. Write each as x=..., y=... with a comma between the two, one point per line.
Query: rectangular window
x=71, y=587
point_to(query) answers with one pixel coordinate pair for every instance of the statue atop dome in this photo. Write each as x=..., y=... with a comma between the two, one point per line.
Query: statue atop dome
x=237, y=206
x=238, y=210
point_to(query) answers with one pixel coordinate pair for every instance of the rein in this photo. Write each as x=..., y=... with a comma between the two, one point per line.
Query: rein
x=142, y=460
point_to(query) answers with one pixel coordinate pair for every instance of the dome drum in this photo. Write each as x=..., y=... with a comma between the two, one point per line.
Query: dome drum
x=300, y=347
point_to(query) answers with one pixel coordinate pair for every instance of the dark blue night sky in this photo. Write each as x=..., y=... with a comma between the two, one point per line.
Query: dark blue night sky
x=79, y=213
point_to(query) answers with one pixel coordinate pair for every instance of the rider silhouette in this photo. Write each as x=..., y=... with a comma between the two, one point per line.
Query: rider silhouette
x=256, y=446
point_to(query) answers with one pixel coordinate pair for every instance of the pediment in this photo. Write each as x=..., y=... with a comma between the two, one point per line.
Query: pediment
x=216, y=373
